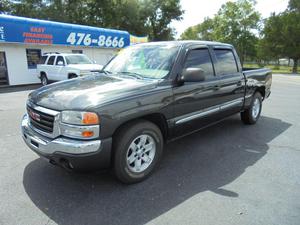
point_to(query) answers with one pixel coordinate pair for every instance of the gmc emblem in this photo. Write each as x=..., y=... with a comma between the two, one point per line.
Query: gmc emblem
x=34, y=115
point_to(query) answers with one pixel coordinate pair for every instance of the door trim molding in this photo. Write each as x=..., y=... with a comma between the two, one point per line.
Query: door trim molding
x=207, y=111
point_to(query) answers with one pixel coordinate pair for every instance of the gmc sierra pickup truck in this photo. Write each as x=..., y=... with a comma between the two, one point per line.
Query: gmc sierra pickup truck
x=146, y=95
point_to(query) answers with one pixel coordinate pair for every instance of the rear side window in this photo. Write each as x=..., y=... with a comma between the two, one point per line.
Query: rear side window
x=226, y=62
x=51, y=60
x=200, y=58
x=43, y=59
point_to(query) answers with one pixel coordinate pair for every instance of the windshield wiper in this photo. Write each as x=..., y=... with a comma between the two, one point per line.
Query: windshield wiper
x=106, y=71
x=136, y=75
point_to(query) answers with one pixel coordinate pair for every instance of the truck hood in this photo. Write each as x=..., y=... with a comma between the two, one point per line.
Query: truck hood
x=85, y=67
x=88, y=92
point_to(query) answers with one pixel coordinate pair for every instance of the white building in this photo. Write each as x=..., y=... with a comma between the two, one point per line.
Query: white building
x=24, y=40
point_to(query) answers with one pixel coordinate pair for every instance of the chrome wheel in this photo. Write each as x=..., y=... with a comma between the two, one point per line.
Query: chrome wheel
x=256, y=108
x=141, y=153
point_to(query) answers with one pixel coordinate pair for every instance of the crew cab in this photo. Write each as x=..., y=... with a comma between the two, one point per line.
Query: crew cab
x=56, y=66
x=147, y=95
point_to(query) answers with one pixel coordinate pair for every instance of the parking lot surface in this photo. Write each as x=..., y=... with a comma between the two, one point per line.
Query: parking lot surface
x=229, y=173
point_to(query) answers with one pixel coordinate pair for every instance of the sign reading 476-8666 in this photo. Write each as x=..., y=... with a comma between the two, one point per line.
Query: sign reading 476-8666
x=101, y=40
x=2, y=37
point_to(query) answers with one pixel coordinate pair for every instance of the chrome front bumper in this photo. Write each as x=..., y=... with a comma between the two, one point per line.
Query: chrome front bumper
x=47, y=146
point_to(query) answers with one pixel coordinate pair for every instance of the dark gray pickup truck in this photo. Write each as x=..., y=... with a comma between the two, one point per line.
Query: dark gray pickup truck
x=145, y=96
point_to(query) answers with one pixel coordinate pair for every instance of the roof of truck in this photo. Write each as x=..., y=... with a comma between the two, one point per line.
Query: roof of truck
x=188, y=42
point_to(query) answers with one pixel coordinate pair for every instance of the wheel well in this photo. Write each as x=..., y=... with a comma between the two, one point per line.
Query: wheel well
x=262, y=91
x=43, y=73
x=157, y=118
x=70, y=75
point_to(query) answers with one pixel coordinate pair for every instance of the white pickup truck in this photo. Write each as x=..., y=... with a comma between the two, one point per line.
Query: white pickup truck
x=62, y=66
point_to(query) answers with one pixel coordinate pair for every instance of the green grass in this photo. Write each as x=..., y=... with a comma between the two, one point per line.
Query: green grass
x=274, y=68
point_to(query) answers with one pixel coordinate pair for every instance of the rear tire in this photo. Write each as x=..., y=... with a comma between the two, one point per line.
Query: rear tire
x=44, y=80
x=252, y=114
x=138, y=149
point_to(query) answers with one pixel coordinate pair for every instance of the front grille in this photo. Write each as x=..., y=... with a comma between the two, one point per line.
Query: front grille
x=40, y=120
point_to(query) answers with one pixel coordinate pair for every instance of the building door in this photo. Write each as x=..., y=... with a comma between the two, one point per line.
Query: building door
x=3, y=69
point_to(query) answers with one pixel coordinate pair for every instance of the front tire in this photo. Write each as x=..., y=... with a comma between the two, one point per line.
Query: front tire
x=252, y=114
x=137, y=151
x=44, y=80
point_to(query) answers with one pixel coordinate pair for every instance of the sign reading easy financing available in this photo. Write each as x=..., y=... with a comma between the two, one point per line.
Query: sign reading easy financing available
x=24, y=30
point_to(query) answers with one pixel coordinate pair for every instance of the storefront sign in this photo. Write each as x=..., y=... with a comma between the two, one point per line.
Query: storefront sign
x=137, y=40
x=24, y=30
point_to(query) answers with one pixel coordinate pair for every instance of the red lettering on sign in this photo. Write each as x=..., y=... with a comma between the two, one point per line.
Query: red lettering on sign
x=37, y=29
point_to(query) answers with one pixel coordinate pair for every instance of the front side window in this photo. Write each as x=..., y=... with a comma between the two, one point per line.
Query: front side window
x=33, y=57
x=225, y=61
x=200, y=58
x=147, y=61
x=51, y=60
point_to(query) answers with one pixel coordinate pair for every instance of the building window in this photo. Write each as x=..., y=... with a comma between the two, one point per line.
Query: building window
x=77, y=51
x=33, y=57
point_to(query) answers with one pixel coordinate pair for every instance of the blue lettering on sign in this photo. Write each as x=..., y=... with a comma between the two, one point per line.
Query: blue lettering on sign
x=32, y=31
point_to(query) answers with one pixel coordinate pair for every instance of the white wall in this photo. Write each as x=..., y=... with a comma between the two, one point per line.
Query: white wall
x=18, y=72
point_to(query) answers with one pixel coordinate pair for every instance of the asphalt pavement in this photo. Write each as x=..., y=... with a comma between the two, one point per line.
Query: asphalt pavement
x=229, y=173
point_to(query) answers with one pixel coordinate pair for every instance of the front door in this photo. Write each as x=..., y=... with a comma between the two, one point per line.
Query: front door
x=196, y=103
x=3, y=69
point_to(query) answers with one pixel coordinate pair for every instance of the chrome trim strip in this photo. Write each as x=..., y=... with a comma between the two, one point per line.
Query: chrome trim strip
x=198, y=115
x=42, y=109
x=231, y=104
x=210, y=110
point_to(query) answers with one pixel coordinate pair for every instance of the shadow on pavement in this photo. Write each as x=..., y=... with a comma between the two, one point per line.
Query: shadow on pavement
x=204, y=161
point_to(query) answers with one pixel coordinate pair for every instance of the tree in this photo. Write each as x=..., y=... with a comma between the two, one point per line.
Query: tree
x=282, y=32
x=202, y=31
x=234, y=23
x=139, y=17
x=4, y=6
x=158, y=16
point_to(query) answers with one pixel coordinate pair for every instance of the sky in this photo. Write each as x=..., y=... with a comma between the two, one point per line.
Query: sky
x=197, y=10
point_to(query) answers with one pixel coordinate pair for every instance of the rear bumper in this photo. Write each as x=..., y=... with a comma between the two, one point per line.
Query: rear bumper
x=69, y=153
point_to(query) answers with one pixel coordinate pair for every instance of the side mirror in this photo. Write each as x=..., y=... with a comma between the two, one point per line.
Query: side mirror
x=60, y=63
x=193, y=75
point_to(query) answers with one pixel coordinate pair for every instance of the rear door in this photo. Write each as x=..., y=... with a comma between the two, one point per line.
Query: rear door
x=195, y=103
x=231, y=80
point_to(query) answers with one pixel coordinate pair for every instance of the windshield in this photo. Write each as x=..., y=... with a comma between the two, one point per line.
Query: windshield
x=146, y=61
x=78, y=59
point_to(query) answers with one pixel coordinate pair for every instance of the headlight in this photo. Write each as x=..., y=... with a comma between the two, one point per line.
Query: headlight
x=82, y=125
x=79, y=118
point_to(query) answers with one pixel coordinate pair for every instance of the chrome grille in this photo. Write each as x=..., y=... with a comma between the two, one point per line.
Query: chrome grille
x=41, y=120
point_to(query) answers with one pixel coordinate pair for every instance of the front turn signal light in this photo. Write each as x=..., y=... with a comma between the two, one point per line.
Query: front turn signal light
x=87, y=134
x=90, y=118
